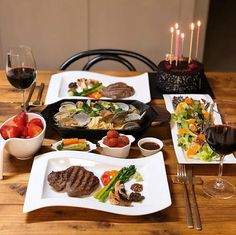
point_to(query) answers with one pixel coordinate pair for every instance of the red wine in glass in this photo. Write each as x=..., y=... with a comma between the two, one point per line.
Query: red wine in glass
x=20, y=68
x=222, y=140
x=21, y=77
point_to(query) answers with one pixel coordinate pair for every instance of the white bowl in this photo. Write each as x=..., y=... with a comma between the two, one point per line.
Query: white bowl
x=147, y=152
x=118, y=152
x=23, y=148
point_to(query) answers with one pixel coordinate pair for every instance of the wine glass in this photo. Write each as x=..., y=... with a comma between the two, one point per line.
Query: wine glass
x=222, y=139
x=21, y=68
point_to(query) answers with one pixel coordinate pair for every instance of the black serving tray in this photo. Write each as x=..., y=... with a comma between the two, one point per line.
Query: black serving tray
x=52, y=109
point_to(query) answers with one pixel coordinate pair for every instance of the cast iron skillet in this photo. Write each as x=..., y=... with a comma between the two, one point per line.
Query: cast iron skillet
x=52, y=109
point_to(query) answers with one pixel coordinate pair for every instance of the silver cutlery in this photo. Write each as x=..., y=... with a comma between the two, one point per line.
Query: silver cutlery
x=39, y=96
x=37, y=102
x=182, y=178
x=197, y=219
x=31, y=91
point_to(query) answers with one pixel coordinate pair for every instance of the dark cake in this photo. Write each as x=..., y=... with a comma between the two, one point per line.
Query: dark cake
x=183, y=78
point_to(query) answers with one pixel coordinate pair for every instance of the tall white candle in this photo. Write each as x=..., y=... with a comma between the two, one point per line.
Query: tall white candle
x=182, y=44
x=191, y=43
x=171, y=43
x=176, y=26
x=177, y=47
x=198, y=34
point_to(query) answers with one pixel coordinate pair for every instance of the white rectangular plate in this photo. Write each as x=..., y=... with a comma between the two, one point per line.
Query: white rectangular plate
x=155, y=185
x=174, y=130
x=58, y=86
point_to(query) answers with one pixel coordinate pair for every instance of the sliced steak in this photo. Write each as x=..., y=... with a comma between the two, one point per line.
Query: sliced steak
x=117, y=90
x=58, y=179
x=81, y=182
x=76, y=180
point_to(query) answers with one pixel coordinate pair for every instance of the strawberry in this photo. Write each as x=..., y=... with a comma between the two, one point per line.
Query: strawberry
x=3, y=132
x=23, y=130
x=36, y=121
x=20, y=119
x=34, y=130
x=10, y=132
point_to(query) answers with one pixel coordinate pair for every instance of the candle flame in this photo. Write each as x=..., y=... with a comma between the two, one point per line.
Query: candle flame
x=182, y=35
x=172, y=29
x=199, y=23
x=192, y=26
x=176, y=25
x=177, y=32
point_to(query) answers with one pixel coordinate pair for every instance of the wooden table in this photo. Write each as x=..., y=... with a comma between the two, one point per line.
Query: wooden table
x=218, y=216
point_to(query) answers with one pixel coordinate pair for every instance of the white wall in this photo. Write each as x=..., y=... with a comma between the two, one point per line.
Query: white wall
x=57, y=29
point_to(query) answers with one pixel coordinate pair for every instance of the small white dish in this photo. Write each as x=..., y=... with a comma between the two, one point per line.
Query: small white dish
x=92, y=146
x=118, y=152
x=23, y=149
x=147, y=152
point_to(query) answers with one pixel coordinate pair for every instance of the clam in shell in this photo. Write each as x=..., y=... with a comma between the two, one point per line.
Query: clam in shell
x=133, y=109
x=61, y=115
x=133, y=117
x=122, y=106
x=67, y=106
x=107, y=115
x=81, y=119
x=119, y=118
x=131, y=126
x=67, y=122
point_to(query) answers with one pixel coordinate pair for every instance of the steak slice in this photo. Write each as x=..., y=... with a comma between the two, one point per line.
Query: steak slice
x=76, y=180
x=117, y=90
x=58, y=179
x=81, y=182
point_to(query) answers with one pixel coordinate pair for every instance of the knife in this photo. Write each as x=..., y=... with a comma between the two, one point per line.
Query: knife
x=196, y=214
x=31, y=91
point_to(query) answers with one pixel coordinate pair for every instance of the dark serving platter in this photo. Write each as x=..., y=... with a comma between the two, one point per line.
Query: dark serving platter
x=49, y=112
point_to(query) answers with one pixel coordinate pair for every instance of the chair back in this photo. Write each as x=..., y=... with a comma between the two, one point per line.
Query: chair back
x=108, y=54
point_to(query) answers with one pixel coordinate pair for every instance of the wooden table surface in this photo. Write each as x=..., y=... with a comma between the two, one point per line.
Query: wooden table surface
x=218, y=216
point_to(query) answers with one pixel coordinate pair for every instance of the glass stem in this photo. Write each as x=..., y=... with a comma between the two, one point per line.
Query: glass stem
x=23, y=100
x=219, y=181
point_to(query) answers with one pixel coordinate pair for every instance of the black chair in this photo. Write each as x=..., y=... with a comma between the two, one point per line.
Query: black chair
x=108, y=54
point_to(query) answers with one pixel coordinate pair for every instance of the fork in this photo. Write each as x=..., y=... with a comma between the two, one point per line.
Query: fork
x=182, y=178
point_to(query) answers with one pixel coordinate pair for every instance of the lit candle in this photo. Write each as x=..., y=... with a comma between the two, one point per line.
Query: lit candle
x=177, y=47
x=182, y=44
x=171, y=43
x=176, y=26
x=198, y=33
x=191, y=43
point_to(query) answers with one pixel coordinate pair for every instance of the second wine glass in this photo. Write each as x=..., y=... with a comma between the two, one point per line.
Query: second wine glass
x=222, y=139
x=21, y=68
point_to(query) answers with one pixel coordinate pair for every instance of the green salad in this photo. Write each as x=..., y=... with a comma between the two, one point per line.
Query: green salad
x=192, y=118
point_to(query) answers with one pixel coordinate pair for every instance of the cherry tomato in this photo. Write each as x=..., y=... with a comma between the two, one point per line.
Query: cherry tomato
x=95, y=95
x=123, y=139
x=112, y=134
x=112, y=142
x=105, y=178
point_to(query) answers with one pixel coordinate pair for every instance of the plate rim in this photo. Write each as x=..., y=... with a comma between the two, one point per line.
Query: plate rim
x=42, y=160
